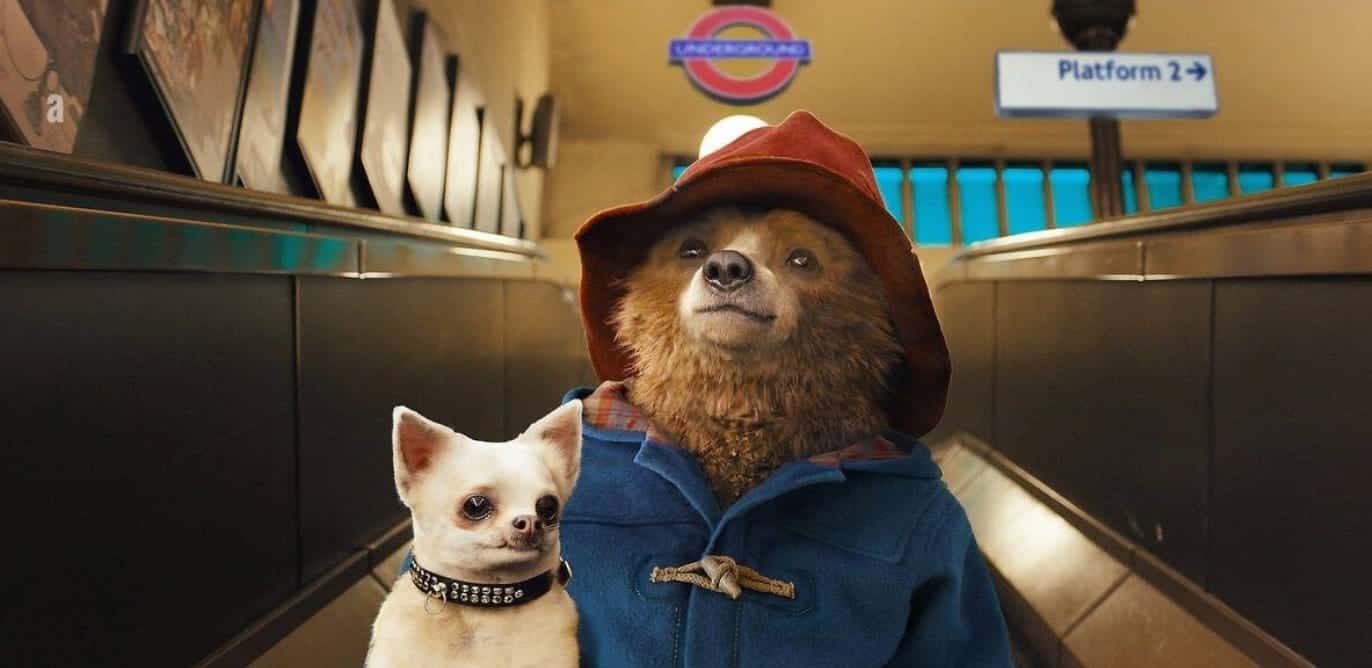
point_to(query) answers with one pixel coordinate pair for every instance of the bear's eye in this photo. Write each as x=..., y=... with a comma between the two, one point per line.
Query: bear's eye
x=546, y=508
x=801, y=258
x=477, y=507
x=692, y=248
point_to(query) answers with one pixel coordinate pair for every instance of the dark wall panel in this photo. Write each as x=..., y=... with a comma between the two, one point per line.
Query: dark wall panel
x=147, y=464
x=546, y=350
x=366, y=346
x=1102, y=391
x=965, y=311
x=1293, y=454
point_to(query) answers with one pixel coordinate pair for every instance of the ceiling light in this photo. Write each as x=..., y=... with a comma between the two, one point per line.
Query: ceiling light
x=726, y=130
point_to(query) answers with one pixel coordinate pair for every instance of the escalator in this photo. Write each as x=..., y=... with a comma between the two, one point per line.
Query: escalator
x=1188, y=392
x=1158, y=425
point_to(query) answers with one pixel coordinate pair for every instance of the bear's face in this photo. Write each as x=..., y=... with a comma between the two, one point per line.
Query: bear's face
x=744, y=284
x=757, y=337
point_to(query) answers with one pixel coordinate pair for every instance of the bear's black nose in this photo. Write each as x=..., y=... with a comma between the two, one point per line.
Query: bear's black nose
x=728, y=270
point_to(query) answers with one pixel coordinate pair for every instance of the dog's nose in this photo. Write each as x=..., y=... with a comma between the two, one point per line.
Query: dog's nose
x=728, y=270
x=527, y=524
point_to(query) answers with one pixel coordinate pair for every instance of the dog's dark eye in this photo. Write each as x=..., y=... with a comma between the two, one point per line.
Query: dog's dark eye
x=692, y=248
x=801, y=258
x=477, y=508
x=546, y=508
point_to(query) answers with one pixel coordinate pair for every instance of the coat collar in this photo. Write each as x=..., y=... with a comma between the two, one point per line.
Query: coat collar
x=609, y=416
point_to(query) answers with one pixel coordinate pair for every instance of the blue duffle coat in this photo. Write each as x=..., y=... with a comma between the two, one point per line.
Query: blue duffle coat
x=884, y=565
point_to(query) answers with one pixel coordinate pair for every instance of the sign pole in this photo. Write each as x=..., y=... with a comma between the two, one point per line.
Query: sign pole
x=1099, y=25
x=1107, y=198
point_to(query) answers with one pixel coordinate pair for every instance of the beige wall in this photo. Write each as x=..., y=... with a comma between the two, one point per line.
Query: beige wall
x=592, y=175
x=505, y=43
x=597, y=174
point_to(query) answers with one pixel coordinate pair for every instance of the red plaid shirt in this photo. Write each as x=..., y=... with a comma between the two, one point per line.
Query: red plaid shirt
x=609, y=408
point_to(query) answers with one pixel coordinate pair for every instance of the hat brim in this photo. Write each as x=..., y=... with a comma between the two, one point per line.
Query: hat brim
x=614, y=241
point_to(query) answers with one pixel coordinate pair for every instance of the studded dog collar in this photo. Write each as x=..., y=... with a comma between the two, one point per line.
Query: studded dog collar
x=486, y=595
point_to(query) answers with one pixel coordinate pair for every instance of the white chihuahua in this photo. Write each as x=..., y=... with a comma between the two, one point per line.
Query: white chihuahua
x=487, y=587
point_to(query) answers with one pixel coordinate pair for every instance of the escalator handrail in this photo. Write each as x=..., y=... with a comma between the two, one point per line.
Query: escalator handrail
x=1343, y=194
x=57, y=173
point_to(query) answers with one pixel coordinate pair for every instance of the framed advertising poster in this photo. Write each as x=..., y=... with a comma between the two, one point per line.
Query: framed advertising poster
x=429, y=134
x=262, y=133
x=490, y=181
x=386, y=135
x=511, y=218
x=47, y=68
x=196, y=54
x=464, y=148
x=328, y=108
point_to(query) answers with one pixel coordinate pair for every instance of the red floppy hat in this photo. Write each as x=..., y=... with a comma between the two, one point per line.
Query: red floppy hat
x=803, y=165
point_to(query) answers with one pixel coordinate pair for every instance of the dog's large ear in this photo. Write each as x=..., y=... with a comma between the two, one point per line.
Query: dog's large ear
x=416, y=442
x=559, y=432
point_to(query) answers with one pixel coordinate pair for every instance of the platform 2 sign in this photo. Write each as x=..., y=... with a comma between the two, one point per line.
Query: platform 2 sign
x=1120, y=85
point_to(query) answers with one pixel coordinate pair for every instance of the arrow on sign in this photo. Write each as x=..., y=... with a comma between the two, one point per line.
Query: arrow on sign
x=1196, y=70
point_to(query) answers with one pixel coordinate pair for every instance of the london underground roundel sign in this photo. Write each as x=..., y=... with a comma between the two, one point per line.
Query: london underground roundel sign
x=697, y=51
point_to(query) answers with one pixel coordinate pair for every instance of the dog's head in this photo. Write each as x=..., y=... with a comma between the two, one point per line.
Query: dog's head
x=487, y=509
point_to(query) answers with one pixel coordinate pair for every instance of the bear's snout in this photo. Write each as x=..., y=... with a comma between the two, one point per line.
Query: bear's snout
x=727, y=270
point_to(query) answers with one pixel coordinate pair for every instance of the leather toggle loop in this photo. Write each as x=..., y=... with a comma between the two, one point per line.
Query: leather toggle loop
x=722, y=574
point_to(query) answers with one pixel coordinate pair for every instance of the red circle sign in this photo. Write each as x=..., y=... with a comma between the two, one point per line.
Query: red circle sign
x=705, y=74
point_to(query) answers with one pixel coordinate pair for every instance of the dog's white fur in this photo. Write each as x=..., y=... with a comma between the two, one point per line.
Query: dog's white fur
x=436, y=470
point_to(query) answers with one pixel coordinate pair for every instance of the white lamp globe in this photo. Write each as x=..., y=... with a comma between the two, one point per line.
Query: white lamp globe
x=726, y=130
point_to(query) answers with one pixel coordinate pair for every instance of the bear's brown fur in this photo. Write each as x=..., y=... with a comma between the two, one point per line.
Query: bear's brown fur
x=793, y=364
